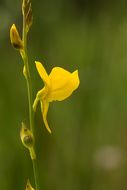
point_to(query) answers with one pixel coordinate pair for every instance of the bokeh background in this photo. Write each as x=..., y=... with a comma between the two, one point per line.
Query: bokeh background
x=88, y=147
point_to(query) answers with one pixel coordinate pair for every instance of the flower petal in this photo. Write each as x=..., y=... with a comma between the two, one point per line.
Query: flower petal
x=41, y=94
x=44, y=110
x=62, y=83
x=42, y=72
x=35, y=103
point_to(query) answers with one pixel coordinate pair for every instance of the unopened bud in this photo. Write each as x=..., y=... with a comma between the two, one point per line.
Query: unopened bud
x=15, y=38
x=25, y=6
x=29, y=18
x=27, y=14
x=28, y=186
x=26, y=136
x=27, y=139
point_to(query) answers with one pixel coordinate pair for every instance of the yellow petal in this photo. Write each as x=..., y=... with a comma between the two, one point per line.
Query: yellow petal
x=40, y=95
x=62, y=84
x=35, y=103
x=44, y=110
x=42, y=72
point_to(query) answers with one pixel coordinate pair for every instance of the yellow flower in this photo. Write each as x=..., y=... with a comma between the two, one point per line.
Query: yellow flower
x=58, y=85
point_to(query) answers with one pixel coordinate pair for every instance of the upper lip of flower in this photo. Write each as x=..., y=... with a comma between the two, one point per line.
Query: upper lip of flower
x=58, y=85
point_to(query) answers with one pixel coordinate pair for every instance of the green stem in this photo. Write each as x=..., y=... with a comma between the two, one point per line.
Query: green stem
x=36, y=177
x=30, y=100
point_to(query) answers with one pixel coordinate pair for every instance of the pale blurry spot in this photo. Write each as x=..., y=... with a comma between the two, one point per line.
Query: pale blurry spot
x=108, y=158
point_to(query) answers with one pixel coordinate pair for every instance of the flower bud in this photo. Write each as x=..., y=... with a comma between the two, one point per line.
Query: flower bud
x=25, y=6
x=28, y=186
x=15, y=38
x=27, y=14
x=29, y=18
x=27, y=139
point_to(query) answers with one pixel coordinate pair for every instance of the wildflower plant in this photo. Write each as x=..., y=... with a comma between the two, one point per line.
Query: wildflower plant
x=58, y=85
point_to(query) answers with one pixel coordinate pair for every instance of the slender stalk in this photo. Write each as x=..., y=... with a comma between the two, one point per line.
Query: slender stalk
x=30, y=99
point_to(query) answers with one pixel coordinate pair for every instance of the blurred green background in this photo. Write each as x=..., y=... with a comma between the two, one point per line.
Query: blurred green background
x=88, y=147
